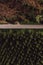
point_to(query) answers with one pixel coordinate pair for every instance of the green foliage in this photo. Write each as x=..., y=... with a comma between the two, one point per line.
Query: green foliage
x=18, y=46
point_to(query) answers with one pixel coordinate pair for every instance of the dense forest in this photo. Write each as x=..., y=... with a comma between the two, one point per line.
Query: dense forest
x=22, y=11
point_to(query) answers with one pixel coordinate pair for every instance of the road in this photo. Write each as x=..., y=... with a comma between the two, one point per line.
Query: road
x=18, y=26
